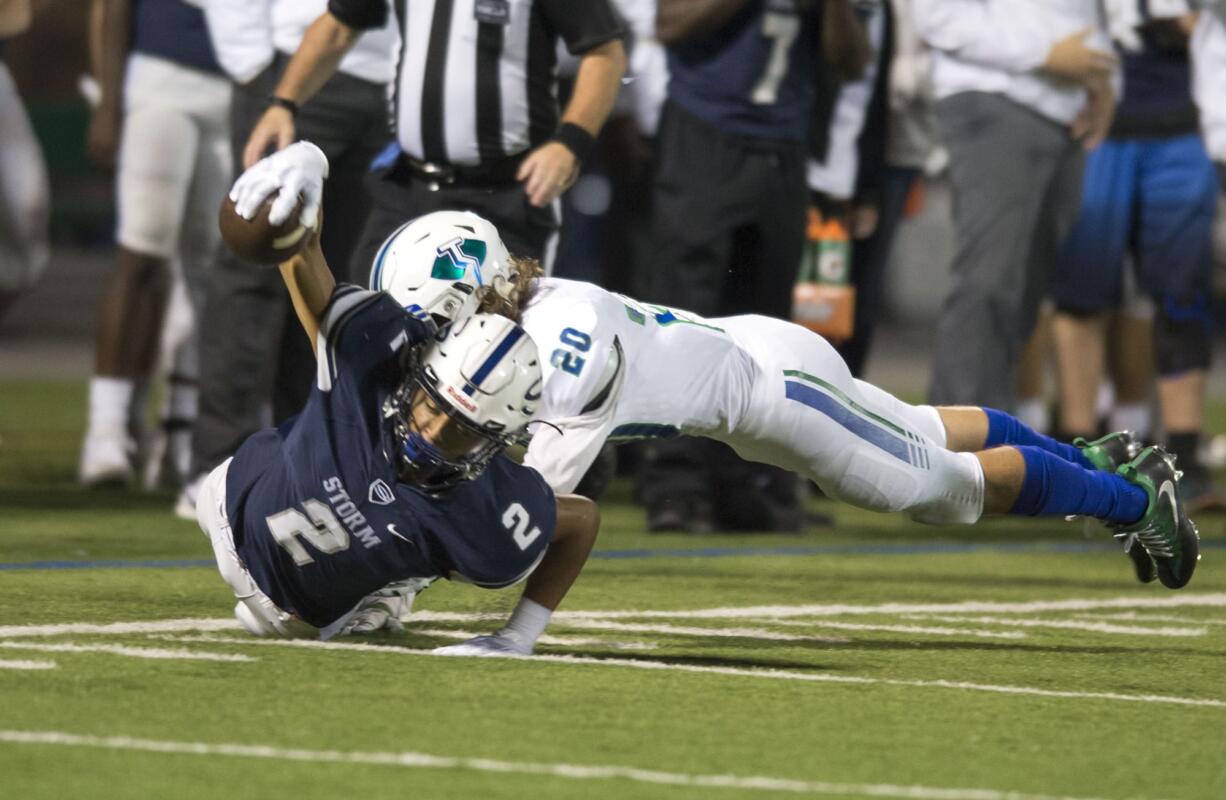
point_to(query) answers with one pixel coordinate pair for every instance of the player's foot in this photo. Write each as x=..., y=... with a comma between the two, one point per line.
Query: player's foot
x=1111, y=451
x=105, y=460
x=1108, y=454
x=1164, y=531
x=681, y=515
x=387, y=608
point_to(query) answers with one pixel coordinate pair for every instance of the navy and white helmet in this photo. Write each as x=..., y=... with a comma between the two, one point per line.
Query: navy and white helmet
x=440, y=262
x=485, y=374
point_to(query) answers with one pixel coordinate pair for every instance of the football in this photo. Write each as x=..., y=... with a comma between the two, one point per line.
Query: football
x=256, y=239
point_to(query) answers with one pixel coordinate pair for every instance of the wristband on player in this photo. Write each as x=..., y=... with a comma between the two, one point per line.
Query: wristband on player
x=575, y=139
x=281, y=102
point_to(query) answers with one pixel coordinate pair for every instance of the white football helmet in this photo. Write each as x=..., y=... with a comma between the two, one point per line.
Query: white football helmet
x=485, y=374
x=439, y=261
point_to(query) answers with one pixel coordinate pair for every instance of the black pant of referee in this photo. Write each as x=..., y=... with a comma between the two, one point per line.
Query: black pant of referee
x=727, y=239
x=407, y=188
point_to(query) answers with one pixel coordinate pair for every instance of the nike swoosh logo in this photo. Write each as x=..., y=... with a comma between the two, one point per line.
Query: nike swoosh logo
x=1167, y=490
x=391, y=528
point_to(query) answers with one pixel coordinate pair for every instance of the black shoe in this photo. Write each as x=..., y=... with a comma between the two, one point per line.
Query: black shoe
x=681, y=515
x=1164, y=530
x=1108, y=454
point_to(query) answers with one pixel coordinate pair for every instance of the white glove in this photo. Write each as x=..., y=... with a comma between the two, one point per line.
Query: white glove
x=386, y=608
x=298, y=169
x=494, y=645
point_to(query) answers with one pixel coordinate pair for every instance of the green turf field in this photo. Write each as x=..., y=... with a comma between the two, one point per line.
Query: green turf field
x=875, y=659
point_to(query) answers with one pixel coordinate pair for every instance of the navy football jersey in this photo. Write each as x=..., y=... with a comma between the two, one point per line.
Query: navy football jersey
x=754, y=76
x=174, y=30
x=318, y=516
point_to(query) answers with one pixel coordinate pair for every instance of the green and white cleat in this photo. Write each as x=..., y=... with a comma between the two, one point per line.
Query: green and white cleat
x=1108, y=454
x=1165, y=532
x=1112, y=451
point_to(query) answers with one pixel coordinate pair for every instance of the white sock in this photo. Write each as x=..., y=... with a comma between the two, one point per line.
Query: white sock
x=109, y=402
x=527, y=623
x=1034, y=415
x=1135, y=417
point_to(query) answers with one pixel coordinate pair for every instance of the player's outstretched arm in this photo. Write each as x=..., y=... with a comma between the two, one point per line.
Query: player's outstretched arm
x=577, y=525
x=310, y=283
x=294, y=174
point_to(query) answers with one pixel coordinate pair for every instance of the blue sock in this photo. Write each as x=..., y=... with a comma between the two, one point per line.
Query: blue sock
x=1006, y=429
x=1054, y=486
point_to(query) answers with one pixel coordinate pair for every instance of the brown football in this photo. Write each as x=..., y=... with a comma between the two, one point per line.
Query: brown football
x=258, y=241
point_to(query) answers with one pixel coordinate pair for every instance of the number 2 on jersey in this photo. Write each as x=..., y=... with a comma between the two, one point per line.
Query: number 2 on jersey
x=323, y=530
x=516, y=519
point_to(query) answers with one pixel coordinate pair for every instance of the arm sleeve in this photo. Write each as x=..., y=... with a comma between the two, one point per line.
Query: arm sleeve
x=985, y=32
x=241, y=33
x=361, y=330
x=580, y=405
x=582, y=24
x=359, y=14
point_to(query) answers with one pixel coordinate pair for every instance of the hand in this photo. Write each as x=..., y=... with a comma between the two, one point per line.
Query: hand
x=1072, y=59
x=494, y=645
x=298, y=169
x=102, y=138
x=546, y=172
x=274, y=131
x=1094, y=121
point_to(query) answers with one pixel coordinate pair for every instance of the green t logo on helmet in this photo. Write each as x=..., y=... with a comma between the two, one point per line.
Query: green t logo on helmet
x=457, y=255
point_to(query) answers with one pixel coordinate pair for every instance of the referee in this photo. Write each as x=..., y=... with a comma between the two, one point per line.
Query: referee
x=475, y=107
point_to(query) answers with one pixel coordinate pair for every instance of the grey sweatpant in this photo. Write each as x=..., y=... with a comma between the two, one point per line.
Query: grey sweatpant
x=1016, y=180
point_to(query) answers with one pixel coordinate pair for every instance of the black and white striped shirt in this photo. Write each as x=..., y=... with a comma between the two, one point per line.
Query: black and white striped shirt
x=476, y=79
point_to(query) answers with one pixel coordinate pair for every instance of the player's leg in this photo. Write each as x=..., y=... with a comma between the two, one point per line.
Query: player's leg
x=254, y=610
x=1178, y=202
x=179, y=359
x=24, y=198
x=1088, y=282
x=157, y=152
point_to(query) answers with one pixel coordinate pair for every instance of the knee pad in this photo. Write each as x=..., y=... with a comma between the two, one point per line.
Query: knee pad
x=1181, y=335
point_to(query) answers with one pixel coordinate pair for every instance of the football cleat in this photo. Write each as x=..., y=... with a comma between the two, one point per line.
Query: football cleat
x=1108, y=454
x=1165, y=532
x=494, y=645
x=1112, y=451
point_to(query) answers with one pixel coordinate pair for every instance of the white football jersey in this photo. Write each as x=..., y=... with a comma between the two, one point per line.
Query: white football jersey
x=616, y=368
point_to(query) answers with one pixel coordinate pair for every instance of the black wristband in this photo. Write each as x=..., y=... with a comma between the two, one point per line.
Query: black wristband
x=281, y=102
x=575, y=139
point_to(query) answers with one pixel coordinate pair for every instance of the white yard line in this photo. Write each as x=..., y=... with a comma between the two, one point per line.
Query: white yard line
x=922, y=629
x=589, y=772
x=717, y=633
x=146, y=626
x=814, y=677
x=120, y=650
x=19, y=664
x=1067, y=624
x=967, y=607
x=1133, y=616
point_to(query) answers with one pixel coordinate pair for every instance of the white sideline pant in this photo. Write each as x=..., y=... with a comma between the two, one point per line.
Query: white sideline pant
x=174, y=160
x=860, y=444
x=255, y=610
x=25, y=194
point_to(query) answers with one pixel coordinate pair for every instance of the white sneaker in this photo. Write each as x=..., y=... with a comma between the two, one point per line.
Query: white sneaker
x=185, y=503
x=105, y=459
